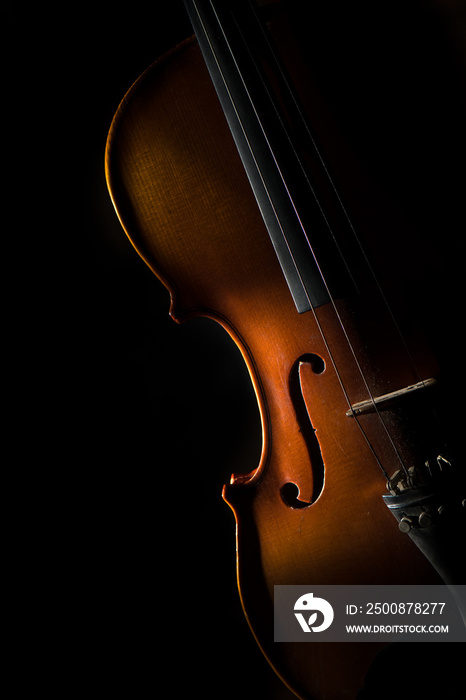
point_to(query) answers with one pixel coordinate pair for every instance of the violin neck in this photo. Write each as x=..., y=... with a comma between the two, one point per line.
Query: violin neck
x=240, y=58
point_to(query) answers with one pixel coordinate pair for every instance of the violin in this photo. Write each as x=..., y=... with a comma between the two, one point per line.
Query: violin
x=236, y=186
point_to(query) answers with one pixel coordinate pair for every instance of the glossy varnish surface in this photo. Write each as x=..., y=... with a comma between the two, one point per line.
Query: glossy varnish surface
x=185, y=202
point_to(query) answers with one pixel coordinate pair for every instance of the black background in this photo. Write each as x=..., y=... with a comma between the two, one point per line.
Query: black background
x=126, y=425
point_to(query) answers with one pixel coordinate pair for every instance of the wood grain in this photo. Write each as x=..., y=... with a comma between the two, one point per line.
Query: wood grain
x=182, y=196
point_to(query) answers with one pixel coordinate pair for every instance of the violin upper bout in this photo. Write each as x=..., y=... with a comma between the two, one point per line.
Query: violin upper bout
x=178, y=185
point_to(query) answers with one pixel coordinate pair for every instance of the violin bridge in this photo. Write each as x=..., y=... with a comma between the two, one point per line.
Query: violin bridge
x=380, y=403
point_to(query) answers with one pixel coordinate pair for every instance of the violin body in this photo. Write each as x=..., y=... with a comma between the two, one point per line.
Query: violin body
x=184, y=200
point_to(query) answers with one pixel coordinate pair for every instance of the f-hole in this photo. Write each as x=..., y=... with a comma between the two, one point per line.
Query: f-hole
x=290, y=491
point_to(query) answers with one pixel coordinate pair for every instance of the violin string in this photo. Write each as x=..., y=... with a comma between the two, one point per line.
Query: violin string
x=303, y=229
x=321, y=330
x=304, y=122
x=351, y=348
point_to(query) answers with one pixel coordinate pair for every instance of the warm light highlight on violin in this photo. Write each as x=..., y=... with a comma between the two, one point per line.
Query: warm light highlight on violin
x=224, y=189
